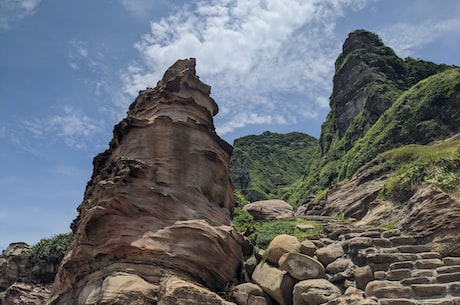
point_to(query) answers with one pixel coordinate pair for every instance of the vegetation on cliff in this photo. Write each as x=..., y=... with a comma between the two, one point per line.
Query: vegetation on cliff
x=394, y=102
x=264, y=166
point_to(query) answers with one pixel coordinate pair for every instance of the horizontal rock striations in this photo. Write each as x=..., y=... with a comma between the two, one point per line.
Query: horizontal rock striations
x=158, y=202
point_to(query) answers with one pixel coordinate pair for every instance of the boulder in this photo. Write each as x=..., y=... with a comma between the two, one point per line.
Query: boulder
x=363, y=275
x=177, y=291
x=315, y=292
x=158, y=197
x=328, y=254
x=301, y=267
x=270, y=210
x=275, y=282
x=307, y=247
x=250, y=294
x=339, y=265
x=282, y=244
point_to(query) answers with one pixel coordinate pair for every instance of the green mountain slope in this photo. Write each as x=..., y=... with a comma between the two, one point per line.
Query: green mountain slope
x=379, y=102
x=264, y=166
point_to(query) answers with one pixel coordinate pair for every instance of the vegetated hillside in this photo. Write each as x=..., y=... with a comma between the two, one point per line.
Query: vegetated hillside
x=379, y=102
x=263, y=166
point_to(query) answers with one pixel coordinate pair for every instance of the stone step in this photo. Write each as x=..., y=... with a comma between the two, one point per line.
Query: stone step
x=449, y=261
x=398, y=301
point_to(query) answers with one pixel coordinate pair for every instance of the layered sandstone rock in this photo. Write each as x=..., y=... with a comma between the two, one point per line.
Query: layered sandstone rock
x=158, y=203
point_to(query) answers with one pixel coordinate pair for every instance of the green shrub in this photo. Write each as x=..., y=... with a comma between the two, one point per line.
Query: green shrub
x=243, y=221
x=54, y=248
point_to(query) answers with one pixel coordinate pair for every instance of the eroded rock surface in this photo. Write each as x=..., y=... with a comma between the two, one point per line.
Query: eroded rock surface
x=158, y=202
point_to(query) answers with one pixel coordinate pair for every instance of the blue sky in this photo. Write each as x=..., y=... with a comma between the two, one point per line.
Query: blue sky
x=70, y=69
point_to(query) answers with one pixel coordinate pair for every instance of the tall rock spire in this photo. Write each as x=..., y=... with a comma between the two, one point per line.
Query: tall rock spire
x=158, y=203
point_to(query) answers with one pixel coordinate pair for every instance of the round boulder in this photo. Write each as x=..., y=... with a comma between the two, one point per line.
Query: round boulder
x=282, y=244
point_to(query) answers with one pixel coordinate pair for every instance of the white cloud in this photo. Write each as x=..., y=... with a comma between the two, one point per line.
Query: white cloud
x=406, y=38
x=256, y=56
x=12, y=11
x=75, y=128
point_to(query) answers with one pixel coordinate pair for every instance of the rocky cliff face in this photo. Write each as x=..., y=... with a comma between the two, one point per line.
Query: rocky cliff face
x=158, y=202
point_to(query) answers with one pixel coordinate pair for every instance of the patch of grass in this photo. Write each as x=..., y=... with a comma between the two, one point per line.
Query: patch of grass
x=416, y=164
x=261, y=233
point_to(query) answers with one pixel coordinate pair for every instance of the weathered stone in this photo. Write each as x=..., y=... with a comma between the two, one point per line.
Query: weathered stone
x=426, y=255
x=363, y=275
x=414, y=248
x=282, y=244
x=435, y=215
x=249, y=265
x=315, y=292
x=305, y=227
x=398, y=274
x=382, y=242
x=328, y=254
x=381, y=258
x=415, y=280
x=448, y=269
x=402, y=240
x=339, y=265
x=402, y=265
x=429, y=290
x=398, y=301
x=120, y=288
x=177, y=291
x=387, y=289
x=26, y=293
x=246, y=293
x=448, y=277
x=378, y=275
x=301, y=267
x=422, y=273
x=449, y=261
x=159, y=200
x=431, y=263
x=13, y=264
x=275, y=282
x=454, y=289
x=352, y=296
x=270, y=209
x=355, y=244
x=391, y=233
x=307, y=247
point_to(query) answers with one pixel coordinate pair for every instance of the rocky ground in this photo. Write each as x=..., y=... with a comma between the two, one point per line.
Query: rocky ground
x=352, y=265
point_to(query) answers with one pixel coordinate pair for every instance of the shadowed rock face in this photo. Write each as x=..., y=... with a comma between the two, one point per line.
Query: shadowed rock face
x=158, y=202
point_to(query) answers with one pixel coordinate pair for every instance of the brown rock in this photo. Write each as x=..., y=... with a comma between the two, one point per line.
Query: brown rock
x=307, y=247
x=327, y=255
x=26, y=293
x=159, y=200
x=387, y=289
x=301, y=267
x=339, y=265
x=282, y=244
x=177, y=291
x=430, y=263
x=434, y=214
x=352, y=296
x=13, y=264
x=275, y=282
x=429, y=290
x=363, y=275
x=250, y=294
x=270, y=209
x=315, y=292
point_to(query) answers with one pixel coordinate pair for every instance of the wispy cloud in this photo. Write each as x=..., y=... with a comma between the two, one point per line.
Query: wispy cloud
x=269, y=58
x=406, y=38
x=12, y=11
x=74, y=127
